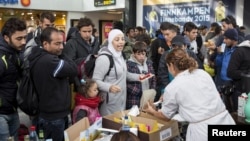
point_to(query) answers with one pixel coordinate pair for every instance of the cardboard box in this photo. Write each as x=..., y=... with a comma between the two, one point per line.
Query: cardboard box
x=73, y=132
x=167, y=131
x=82, y=130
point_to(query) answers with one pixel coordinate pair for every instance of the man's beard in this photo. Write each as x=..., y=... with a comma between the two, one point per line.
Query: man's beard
x=16, y=47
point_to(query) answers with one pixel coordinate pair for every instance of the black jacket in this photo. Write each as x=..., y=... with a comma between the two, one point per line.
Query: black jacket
x=155, y=56
x=10, y=72
x=51, y=79
x=239, y=63
x=163, y=74
x=77, y=48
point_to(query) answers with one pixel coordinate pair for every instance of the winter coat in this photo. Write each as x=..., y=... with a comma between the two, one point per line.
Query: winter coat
x=239, y=63
x=134, y=88
x=78, y=49
x=51, y=74
x=10, y=72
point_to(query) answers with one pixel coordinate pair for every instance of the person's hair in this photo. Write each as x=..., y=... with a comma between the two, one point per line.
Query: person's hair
x=47, y=15
x=214, y=25
x=46, y=34
x=117, y=25
x=94, y=31
x=242, y=27
x=124, y=136
x=217, y=30
x=139, y=47
x=189, y=26
x=85, y=22
x=128, y=30
x=144, y=38
x=86, y=86
x=230, y=20
x=139, y=28
x=12, y=25
x=164, y=25
x=170, y=26
x=181, y=61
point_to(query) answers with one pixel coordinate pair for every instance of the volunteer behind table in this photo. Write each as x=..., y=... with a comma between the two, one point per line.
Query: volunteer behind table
x=193, y=95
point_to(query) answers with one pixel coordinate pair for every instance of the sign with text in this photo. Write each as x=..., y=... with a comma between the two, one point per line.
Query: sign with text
x=8, y=1
x=99, y=3
x=200, y=12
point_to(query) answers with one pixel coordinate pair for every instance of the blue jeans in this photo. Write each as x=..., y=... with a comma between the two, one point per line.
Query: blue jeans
x=9, y=125
x=53, y=129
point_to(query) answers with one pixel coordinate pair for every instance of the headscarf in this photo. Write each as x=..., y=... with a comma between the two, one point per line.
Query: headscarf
x=112, y=34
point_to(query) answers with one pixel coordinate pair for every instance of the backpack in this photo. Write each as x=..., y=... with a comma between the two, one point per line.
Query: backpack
x=86, y=66
x=27, y=97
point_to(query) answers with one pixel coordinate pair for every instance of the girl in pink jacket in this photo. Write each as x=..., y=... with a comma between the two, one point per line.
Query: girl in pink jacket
x=86, y=102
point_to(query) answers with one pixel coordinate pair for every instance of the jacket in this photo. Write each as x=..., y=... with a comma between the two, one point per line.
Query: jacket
x=51, y=74
x=239, y=63
x=155, y=56
x=164, y=77
x=134, y=88
x=78, y=49
x=10, y=72
x=92, y=114
x=117, y=76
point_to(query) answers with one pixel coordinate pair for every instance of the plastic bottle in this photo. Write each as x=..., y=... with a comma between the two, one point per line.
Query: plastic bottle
x=247, y=109
x=41, y=135
x=125, y=125
x=33, y=134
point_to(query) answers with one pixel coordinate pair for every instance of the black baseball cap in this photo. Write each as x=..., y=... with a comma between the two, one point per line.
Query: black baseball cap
x=179, y=41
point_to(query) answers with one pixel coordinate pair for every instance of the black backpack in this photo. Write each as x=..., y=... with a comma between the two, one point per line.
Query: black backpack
x=86, y=66
x=27, y=97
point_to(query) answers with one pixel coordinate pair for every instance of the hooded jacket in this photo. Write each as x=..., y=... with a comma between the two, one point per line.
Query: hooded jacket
x=77, y=48
x=10, y=72
x=239, y=63
x=136, y=88
x=50, y=74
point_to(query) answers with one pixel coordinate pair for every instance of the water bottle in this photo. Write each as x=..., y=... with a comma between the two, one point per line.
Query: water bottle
x=125, y=125
x=33, y=134
x=41, y=135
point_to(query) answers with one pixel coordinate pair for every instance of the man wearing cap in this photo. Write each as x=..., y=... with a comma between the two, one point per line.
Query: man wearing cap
x=163, y=76
x=222, y=80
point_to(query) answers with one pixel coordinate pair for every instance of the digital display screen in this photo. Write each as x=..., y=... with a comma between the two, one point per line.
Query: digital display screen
x=99, y=3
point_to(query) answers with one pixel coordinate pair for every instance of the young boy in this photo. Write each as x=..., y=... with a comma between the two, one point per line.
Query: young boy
x=138, y=63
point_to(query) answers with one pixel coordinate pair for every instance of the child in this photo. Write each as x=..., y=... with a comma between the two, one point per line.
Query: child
x=138, y=63
x=87, y=102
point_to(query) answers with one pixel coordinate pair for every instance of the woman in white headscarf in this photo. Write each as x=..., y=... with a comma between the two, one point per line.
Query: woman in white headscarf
x=112, y=86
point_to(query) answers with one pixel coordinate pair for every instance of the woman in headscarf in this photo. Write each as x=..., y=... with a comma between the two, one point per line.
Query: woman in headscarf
x=112, y=86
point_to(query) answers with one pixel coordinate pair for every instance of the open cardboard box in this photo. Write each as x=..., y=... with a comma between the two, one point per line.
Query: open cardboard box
x=167, y=131
x=78, y=131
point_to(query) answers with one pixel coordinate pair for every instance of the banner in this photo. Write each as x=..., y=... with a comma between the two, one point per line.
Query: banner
x=200, y=12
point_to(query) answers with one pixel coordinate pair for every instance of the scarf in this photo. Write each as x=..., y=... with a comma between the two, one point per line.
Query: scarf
x=112, y=34
x=90, y=102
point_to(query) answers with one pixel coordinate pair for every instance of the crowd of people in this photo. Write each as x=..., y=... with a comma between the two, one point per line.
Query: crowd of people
x=176, y=61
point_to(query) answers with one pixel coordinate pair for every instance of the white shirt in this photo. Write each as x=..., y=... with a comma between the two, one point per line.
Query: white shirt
x=195, y=97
